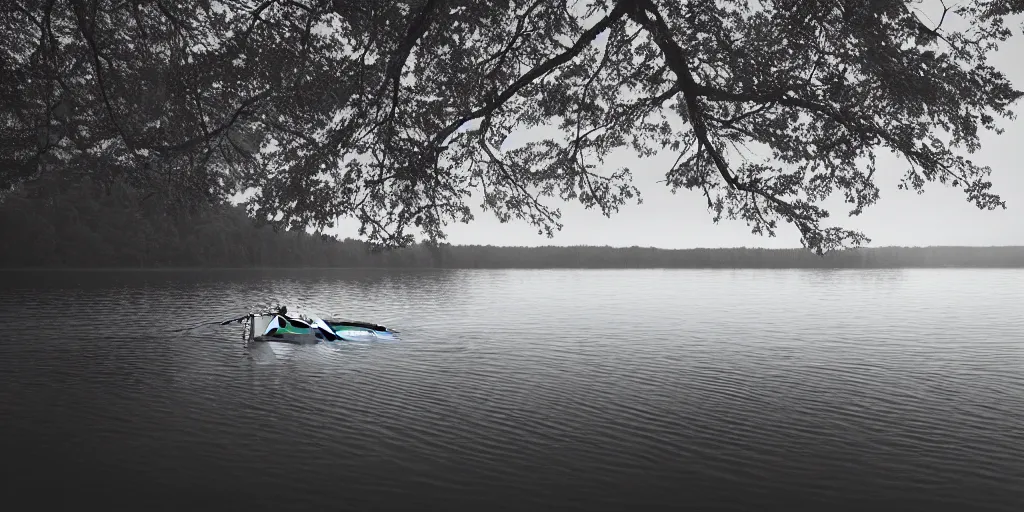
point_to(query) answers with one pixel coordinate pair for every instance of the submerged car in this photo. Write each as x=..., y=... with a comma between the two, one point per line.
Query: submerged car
x=306, y=330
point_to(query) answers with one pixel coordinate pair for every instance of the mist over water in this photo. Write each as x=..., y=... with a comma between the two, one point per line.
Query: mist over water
x=548, y=389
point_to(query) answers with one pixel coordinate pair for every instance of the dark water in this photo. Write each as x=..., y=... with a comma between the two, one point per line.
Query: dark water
x=586, y=390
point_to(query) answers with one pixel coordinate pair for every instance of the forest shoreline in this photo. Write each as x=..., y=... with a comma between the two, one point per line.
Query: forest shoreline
x=474, y=257
x=81, y=224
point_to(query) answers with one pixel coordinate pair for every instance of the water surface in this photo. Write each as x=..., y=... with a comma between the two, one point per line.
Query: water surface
x=550, y=389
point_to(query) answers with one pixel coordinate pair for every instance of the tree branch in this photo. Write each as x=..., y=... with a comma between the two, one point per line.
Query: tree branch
x=676, y=59
x=519, y=32
x=538, y=71
x=416, y=29
x=87, y=33
x=187, y=144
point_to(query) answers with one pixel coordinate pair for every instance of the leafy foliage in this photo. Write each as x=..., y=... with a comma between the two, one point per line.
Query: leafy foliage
x=396, y=112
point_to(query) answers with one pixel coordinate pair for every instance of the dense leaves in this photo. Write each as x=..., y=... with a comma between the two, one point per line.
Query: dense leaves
x=396, y=113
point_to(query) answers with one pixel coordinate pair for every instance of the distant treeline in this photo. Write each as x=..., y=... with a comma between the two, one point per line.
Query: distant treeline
x=93, y=225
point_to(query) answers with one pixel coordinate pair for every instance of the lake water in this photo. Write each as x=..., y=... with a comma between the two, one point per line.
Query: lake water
x=569, y=390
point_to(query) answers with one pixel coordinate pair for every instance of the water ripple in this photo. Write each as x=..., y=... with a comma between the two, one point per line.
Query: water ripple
x=522, y=389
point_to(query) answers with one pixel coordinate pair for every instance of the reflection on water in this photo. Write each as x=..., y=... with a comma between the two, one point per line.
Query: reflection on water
x=520, y=389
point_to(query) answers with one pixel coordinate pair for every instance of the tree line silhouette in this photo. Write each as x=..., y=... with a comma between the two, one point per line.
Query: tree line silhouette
x=84, y=223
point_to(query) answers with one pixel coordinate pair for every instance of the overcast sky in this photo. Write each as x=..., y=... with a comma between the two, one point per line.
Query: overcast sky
x=941, y=216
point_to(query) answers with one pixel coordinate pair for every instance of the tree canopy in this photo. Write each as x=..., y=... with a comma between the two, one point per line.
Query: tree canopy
x=395, y=112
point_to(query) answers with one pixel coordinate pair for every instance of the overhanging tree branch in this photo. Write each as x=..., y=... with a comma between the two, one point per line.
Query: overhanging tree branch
x=538, y=71
x=354, y=123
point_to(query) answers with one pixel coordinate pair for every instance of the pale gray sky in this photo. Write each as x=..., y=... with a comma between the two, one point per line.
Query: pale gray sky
x=941, y=216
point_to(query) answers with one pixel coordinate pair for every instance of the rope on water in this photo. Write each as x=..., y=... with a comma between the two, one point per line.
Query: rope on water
x=183, y=329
